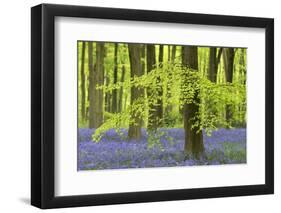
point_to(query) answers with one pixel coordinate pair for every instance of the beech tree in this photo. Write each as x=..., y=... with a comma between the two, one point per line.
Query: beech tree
x=115, y=74
x=228, y=59
x=134, y=131
x=214, y=61
x=171, y=61
x=83, y=80
x=154, y=97
x=130, y=85
x=193, y=136
x=96, y=79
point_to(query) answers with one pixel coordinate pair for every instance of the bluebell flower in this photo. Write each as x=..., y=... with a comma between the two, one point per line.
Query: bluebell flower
x=224, y=146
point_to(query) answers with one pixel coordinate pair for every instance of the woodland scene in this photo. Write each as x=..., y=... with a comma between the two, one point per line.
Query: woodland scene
x=158, y=105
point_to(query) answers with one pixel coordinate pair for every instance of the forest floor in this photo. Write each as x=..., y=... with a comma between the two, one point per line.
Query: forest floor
x=224, y=146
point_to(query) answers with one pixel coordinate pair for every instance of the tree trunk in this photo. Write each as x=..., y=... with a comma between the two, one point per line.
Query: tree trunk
x=107, y=97
x=120, y=103
x=115, y=72
x=242, y=75
x=212, y=75
x=214, y=63
x=96, y=78
x=134, y=132
x=160, y=89
x=83, y=79
x=171, y=60
x=155, y=111
x=242, y=66
x=169, y=53
x=193, y=136
x=228, y=58
x=174, y=49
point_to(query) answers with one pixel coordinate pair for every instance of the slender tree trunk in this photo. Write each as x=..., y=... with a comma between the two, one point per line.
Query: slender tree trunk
x=161, y=55
x=218, y=58
x=96, y=78
x=91, y=82
x=242, y=66
x=228, y=58
x=151, y=62
x=107, y=97
x=206, y=67
x=134, y=131
x=193, y=136
x=212, y=75
x=169, y=53
x=83, y=79
x=171, y=60
x=115, y=72
x=143, y=48
x=160, y=89
x=214, y=63
x=174, y=48
x=155, y=111
x=120, y=103
x=242, y=72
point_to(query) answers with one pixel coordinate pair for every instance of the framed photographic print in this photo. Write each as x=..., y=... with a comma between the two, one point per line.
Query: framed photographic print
x=139, y=106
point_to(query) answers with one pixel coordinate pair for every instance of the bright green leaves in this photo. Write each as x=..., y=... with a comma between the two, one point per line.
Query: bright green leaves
x=182, y=84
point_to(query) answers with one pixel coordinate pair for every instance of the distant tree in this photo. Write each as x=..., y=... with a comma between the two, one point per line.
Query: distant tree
x=171, y=60
x=120, y=102
x=82, y=81
x=193, y=135
x=134, y=131
x=242, y=66
x=108, y=94
x=96, y=79
x=155, y=111
x=115, y=75
x=160, y=89
x=214, y=61
x=242, y=107
x=228, y=59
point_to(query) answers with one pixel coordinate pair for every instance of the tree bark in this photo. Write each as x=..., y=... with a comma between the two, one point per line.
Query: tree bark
x=228, y=58
x=134, y=132
x=155, y=111
x=193, y=136
x=160, y=90
x=120, y=103
x=115, y=72
x=83, y=79
x=174, y=48
x=242, y=66
x=107, y=94
x=96, y=78
x=171, y=60
x=169, y=53
x=214, y=63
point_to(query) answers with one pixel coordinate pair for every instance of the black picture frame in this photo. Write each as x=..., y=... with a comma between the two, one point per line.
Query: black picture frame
x=43, y=105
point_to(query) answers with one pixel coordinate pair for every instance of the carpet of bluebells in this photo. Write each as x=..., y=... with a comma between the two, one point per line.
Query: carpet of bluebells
x=224, y=146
